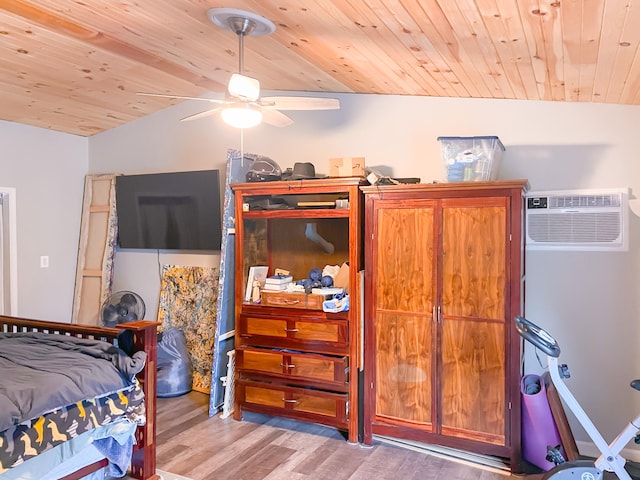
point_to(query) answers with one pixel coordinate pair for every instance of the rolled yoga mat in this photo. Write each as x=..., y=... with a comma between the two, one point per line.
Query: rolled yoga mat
x=539, y=430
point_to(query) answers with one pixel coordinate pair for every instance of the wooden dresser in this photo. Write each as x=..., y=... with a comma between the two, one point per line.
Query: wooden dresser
x=292, y=358
x=444, y=278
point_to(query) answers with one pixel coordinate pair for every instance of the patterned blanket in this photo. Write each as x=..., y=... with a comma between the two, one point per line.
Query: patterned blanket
x=28, y=439
x=55, y=387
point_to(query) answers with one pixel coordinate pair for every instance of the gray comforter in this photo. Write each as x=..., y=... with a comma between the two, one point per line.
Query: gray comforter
x=40, y=372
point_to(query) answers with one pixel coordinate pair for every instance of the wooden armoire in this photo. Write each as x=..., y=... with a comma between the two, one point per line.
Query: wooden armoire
x=444, y=279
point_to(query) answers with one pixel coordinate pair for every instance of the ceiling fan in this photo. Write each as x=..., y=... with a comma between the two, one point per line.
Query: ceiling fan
x=243, y=107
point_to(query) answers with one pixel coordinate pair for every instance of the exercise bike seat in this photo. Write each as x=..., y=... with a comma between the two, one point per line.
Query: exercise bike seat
x=635, y=384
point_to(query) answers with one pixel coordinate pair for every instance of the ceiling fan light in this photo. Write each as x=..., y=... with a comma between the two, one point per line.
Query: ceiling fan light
x=244, y=87
x=241, y=116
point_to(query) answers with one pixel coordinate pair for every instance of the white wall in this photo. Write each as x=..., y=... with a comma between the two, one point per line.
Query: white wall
x=47, y=170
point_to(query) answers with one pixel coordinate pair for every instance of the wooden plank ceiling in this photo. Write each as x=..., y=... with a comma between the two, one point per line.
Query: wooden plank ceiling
x=75, y=65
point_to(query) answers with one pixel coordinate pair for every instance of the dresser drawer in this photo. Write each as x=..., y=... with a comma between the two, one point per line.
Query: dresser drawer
x=292, y=300
x=300, y=333
x=301, y=368
x=327, y=408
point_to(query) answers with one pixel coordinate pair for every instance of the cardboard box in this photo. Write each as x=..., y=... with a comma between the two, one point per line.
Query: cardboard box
x=346, y=167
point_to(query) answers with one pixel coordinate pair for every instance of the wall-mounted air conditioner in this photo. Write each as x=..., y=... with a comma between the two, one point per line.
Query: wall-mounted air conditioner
x=578, y=220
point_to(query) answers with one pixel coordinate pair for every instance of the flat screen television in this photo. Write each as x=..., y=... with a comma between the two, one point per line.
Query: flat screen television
x=169, y=211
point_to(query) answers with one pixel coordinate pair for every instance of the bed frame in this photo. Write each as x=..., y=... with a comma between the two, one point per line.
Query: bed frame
x=143, y=462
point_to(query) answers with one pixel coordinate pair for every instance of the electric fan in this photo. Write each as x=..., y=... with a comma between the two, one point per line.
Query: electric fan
x=122, y=307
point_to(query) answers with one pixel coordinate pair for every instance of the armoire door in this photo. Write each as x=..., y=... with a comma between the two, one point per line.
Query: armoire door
x=444, y=276
x=474, y=292
x=404, y=272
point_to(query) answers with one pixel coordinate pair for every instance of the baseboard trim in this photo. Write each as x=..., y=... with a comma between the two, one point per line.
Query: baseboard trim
x=589, y=449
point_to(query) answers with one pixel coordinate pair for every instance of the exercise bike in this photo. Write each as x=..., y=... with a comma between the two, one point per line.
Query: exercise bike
x=610, y=459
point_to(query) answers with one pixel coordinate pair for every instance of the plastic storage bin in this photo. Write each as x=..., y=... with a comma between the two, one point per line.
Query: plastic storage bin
x=470, y=159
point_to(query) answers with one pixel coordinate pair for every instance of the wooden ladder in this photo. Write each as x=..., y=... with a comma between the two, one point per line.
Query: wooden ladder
x=96, y=249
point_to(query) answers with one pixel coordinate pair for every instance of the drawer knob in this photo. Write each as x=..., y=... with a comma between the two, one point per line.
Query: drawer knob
x=288, y=365
x=289, y=401
x=291, y=330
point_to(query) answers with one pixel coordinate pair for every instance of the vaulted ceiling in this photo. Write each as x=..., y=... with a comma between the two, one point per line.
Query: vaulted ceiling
x=75, y=65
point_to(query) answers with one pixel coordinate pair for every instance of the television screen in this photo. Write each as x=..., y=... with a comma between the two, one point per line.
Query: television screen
x=169, y=211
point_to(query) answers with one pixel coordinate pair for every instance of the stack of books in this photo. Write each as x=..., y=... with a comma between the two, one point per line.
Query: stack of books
x=277, y=283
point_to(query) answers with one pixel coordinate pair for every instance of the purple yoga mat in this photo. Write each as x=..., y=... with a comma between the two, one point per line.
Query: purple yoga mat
x=538, y=427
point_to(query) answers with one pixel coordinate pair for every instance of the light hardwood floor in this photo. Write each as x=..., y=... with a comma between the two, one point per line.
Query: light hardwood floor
x=200, y=447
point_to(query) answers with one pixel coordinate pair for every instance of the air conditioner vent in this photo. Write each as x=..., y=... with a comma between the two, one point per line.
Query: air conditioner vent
x=584, y=201
x=575, y=227
x=577, y=220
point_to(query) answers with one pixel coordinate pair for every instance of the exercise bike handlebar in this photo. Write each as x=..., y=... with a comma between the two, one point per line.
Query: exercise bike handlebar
x=537, y=336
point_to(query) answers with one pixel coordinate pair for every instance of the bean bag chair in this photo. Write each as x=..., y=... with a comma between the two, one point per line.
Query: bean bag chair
x=175, y=370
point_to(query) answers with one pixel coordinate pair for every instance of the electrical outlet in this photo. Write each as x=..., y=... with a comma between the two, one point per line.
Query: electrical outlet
x=44, y=261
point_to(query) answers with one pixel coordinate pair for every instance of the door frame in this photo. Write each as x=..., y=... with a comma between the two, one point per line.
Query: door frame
x=10, y=242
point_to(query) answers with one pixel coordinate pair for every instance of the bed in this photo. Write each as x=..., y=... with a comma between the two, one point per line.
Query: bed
x=88, y=436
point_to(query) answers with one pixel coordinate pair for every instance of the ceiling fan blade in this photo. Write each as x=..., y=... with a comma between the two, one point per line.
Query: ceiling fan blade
x=300, y=103
x=275, y=118
x=180, y=97
x=206, y=113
